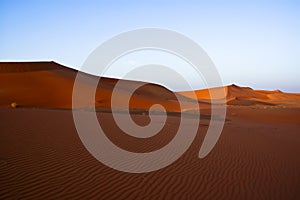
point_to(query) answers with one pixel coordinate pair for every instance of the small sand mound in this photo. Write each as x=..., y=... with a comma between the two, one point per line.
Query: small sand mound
x=14, y=105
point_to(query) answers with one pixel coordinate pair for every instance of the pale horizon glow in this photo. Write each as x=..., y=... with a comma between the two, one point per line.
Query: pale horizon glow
x=253, y=44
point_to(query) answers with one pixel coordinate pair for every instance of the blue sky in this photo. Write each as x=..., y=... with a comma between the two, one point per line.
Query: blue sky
x=252, y=43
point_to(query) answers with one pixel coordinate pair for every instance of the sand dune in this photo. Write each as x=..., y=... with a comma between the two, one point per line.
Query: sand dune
x=236, y=95
x=50, y=85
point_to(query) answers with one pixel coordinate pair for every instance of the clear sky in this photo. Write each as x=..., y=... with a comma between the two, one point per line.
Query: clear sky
x=252, y=43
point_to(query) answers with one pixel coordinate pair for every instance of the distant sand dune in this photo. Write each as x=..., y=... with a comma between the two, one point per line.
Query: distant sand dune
x=246, y=96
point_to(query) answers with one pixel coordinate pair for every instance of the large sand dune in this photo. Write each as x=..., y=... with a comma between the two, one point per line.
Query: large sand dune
x=50, y=85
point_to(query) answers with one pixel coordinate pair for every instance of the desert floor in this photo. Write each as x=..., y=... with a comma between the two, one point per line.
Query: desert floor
x=256, y=157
